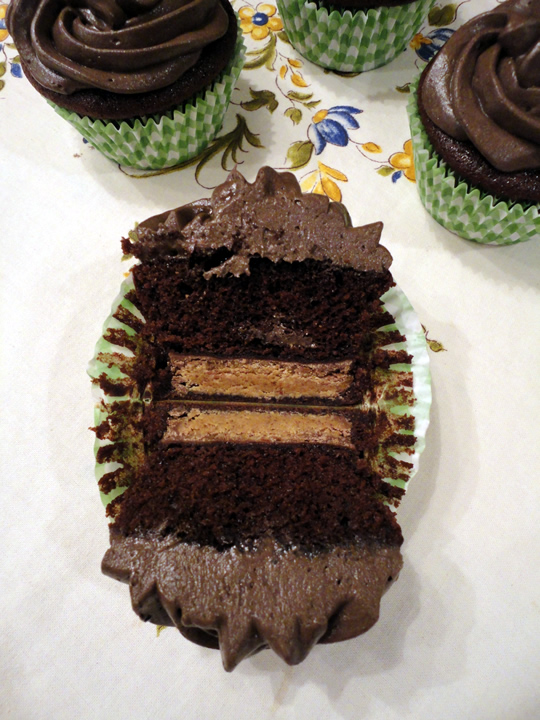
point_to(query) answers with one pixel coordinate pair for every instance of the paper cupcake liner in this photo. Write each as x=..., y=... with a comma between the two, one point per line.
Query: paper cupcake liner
x=161, y=141
x=466, y=211
x=111, y=361
x=408, y=324
x=351, y=41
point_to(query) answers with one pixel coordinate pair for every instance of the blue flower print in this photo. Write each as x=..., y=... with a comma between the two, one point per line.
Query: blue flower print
x=15, y=69
x=427, y=46
x=332, y=126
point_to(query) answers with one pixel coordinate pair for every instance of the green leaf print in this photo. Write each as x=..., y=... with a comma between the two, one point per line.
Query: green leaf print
x=229, y=145
x=282, y=35
x=260, y=98
x=295, y=114
x=266, y=56
x=442, y=16
x=404, y=88
x=299, y=154
x=299, y=96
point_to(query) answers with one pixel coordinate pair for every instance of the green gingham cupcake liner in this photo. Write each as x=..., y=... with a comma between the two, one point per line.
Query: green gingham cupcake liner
x=465, y=211
x=351, y=41
x=117, y=348
x=162, y=141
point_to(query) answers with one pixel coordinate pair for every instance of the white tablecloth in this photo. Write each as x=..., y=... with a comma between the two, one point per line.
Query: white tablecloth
x=459, y=632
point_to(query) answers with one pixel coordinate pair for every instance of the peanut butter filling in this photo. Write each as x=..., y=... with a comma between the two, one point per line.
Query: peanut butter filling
x=258, y=378
x=196, y=424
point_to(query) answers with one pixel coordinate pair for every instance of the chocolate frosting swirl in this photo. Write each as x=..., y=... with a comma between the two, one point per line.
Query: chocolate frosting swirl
x=270, y=218
x=122, y=46
x=484, y=85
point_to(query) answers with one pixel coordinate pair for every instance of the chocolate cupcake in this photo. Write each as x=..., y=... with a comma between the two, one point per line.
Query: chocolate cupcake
x=475, y=123
x=250, y=445
x=352, y=35
x=146, y=83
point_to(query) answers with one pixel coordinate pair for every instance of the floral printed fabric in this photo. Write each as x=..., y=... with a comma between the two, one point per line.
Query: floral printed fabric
x=9, y=60
x=293, y=115
x=259, y=21
x=288, y=108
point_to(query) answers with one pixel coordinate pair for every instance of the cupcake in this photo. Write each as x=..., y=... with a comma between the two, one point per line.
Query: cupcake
x=257, y=420
x=146, y=83
x=352, y=35
x=475, y=125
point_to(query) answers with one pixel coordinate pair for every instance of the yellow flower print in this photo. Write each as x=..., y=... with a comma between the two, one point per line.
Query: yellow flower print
x=296, y=76
x=404, y=161
x=418, y=40
x=3, y=31
x=320, y=182
x=371, y=147
x=298, y=80
x=259, y=22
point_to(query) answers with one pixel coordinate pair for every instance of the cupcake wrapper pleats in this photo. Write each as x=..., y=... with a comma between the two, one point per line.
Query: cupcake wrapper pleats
x=465, y=211
x=112, y=363
x=158, y=142
x=351, y=41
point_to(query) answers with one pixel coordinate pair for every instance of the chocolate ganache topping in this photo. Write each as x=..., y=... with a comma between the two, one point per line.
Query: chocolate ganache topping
x=270, y=218
x=122, y=46
x=484, y=85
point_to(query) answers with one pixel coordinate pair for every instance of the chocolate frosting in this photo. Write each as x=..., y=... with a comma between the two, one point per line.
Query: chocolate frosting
x=245, y=600
x=270, y=218
x=484, y=85
x=122, y=46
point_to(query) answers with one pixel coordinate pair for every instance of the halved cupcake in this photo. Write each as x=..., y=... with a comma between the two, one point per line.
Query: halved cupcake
x=260, y=411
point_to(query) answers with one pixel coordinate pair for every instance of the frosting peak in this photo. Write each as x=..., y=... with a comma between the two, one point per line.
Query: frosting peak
x=123, y=46
x=484, y=85
x=270, y=218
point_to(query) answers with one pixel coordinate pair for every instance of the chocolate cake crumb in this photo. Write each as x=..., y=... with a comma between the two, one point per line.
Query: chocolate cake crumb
x=224, y=496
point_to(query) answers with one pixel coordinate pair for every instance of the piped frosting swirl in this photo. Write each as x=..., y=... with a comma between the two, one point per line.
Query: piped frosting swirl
x=484, y=85
x=122, y=46
x=270, y=218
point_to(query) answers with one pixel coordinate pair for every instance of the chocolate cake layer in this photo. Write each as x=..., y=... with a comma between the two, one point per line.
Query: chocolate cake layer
x=227, y=493
x=271, y=313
